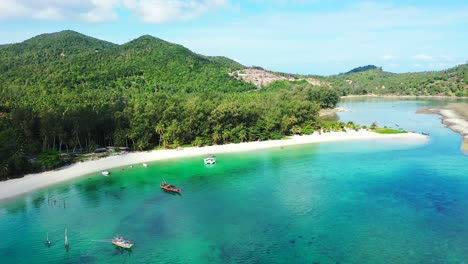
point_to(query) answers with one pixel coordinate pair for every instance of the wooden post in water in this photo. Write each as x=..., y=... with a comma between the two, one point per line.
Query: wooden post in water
x=67, y=246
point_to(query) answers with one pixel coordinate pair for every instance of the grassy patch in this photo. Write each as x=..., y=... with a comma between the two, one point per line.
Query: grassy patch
x=389, y=131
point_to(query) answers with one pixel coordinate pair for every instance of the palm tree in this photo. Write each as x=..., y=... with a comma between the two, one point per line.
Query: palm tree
x=160, y=129
x=297, y=130
x=226, y=136
x=242, y=135
x=215, y=137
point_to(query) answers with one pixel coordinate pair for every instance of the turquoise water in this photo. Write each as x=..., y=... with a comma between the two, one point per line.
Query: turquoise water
x=354, y=202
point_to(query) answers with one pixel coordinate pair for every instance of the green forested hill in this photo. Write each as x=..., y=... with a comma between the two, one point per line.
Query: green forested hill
x=49, y=48
x=67, y=92
x=74, y=61
x=451, y=82
x=373, y=80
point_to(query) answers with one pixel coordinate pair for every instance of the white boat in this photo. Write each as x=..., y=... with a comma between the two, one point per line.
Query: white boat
x=121, y=242
x=145, y=165
x=105, y=173
x=209, y=160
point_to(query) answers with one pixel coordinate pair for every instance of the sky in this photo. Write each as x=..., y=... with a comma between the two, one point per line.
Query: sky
x=297, y=36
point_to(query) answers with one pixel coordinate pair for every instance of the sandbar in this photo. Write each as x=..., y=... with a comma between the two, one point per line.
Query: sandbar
x=455, y=117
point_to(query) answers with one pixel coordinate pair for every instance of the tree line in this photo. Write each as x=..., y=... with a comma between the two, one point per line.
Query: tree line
x=82, y=122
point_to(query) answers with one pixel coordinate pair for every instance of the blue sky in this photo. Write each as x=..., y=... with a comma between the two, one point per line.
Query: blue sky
x=298, y=36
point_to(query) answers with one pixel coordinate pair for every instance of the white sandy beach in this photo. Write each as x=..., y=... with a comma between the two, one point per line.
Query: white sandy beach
x=31, y=182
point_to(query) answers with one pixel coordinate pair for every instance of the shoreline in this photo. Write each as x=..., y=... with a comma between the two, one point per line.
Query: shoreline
x=15, y=187
x=454, y=118
x=404, y=96
x=330, y=112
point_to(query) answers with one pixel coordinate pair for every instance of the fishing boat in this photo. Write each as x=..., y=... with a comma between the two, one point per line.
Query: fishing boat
x=122, y=243
x=145, y=165
x=170, y=188
x=105, y=173
x=209, y=160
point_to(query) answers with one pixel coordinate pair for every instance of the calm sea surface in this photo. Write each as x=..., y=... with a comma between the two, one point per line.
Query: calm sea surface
x=353, y=202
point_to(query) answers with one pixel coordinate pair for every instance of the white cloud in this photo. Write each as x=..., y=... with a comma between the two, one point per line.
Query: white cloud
x=103, y=11
x=388, y=57
x=446, y=58
x=423, y=57
x=161, y=11
x=85, y=10
x=393, y=65
x=153, y=11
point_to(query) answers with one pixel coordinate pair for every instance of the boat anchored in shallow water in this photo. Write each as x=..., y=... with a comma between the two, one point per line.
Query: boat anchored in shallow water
x=122, y=243
x=209, y=160
x=170, y=188
x=105, y=173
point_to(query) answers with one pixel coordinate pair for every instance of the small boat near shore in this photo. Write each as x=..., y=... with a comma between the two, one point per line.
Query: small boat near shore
x=105, y=173
x=170, y=188
x=122, y=243
x=209, y=160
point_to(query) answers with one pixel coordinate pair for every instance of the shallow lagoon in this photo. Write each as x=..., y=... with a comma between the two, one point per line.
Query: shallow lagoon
x=353, y=202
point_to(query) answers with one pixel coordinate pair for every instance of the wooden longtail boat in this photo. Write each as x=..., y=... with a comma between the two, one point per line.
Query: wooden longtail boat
x=170, y=188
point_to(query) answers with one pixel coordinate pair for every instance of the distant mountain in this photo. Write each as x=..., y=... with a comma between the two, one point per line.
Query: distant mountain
x=371, y=79
x=363, y=69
